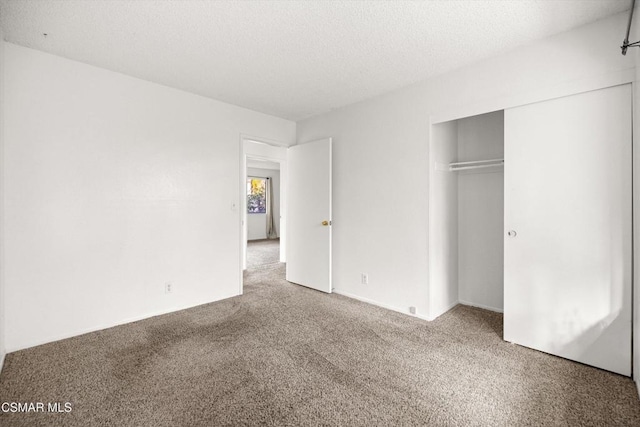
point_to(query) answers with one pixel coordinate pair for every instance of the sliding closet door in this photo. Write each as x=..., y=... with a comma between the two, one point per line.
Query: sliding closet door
x=568, y=227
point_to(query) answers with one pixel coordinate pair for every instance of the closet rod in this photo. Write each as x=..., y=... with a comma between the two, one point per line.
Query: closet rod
x=454, y=169
x=455, y=166
x=476, y=161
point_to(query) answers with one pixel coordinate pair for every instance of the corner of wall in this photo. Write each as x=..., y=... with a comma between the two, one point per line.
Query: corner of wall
x=443, y=232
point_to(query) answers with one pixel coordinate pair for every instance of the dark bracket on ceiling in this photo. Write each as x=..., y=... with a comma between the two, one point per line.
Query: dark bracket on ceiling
x=625, y=43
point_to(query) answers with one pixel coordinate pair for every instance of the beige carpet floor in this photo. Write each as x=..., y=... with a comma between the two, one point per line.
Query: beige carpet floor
x=262, y=252
x=284, y=355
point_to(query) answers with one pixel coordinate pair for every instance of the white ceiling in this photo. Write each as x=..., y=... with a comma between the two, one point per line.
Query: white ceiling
x=291, y=59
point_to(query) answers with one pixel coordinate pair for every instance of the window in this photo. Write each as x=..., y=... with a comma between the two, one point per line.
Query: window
x=256, y=195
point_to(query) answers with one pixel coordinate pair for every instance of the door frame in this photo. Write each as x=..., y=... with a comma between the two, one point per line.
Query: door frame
x=242, y=205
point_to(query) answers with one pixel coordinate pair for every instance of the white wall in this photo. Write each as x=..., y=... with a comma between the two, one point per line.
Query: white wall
x=381, y=174
x=115, y=186
x=2, y=234
x=257, y=223
x=443, y=219
x=481, y=213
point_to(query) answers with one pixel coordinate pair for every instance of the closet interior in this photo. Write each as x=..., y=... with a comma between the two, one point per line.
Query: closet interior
x=530, y=214
x=467, y=215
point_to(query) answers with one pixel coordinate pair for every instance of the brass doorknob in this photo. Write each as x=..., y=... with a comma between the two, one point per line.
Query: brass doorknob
x=325, y=223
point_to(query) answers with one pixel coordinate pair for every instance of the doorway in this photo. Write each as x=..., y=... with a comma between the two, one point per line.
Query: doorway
x=263, y=212
x=305, y=221
x=266, y=162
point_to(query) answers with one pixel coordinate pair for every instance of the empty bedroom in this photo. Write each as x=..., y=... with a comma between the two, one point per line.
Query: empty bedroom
x=300, y=213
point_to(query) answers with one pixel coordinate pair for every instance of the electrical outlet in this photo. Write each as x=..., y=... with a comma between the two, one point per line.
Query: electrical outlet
x=168, y=288
x=364, y=278
x=412, y=310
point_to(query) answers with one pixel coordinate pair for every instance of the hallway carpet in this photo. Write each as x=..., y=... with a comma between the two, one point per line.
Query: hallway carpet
x=262, y=252
x=285, y=355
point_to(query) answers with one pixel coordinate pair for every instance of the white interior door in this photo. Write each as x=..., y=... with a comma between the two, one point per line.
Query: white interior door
x=309, y=215
x=568, y=216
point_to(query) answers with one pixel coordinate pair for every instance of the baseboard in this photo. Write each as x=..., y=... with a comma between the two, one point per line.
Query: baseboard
x=110, y=325
x=379, y=304
x=485, y=307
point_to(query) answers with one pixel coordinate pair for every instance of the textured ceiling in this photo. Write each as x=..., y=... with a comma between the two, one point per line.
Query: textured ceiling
x=291, y=59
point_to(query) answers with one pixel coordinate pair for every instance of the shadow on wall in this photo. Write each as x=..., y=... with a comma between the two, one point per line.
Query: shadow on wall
x=590, y=326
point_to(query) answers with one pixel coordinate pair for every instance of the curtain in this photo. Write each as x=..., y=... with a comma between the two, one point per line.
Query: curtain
x=271, y=225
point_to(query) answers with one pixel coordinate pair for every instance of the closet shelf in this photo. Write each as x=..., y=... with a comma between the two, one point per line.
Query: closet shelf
x=477, y=164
